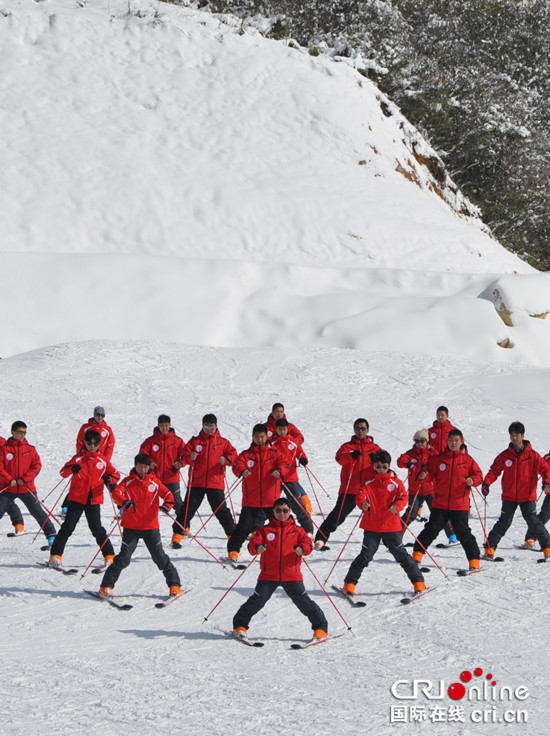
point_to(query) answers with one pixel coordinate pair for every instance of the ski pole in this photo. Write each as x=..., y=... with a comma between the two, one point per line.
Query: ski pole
x=188, y=485
x=300, y=504
x=411, y=506
x=229, y=491
x=49, y=514
x=314, y=493
x=103, y=544
x=318, y=481
x=346, y=491
x=328, y=596
x=428, y=553
x=480, y=521
x=197, y=541
x=115, y=512
x=53, y=489
x=228, y=495
x=343, y=548
x=229, y=589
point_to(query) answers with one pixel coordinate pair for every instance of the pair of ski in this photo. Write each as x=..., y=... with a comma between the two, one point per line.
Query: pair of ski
x=255, y=643
x=350, y=597
x=128, y=606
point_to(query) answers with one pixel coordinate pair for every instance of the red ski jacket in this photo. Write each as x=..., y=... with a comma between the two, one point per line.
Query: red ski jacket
x=145, y=493
x=280, y=561
x=291, y=451
x=520, y=473
x=382, y=490
x=293, y=430
x=164, y=450
x=107, y=443
x=415, y=459
x=351, y=475
x=260, y=489
x=449, y=471
x=90, y=478
x=18, y=460
x=206, y=471
x=439, y=434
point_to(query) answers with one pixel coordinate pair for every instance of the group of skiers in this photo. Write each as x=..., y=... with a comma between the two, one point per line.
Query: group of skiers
x=441, y=475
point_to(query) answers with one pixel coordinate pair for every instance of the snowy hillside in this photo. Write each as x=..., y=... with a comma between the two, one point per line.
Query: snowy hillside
x=271, y=183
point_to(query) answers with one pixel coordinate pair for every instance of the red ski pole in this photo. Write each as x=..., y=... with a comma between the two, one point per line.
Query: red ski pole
x=191, y=536
x=426, y=551
x=287, y=489
x=101, y=547
x=229, y=589
x=314, y=493
x=343, y=548
x=318, y=481
x=53, y=489
x=484, y=530
x=49, y=514
x=346, y=492
x=327, y=595
x=228, y=495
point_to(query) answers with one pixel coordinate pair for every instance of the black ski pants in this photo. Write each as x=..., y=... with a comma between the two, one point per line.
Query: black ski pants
x=343, y=508
x=250, y=519
x=130, y=539
x=543, y=517
x=296, y=592
x=534, y=524
x=93, y=517
x=33, y=505
x=435, y=524
x=394, y=544
x=9, y=507
x=294, y=492
x=194, y=498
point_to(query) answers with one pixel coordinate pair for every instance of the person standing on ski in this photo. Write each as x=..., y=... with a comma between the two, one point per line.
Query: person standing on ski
x=439, y=431
x=12, y=510
x=453, y=473
x=208, y=454
x=355, y=458
x=166, y=449
x=381, y=499
x=520, y=467
x=19, y=465
x=138, y=496
x=293, y=454
x=278, y=412
x=543, y=515
x=88, y=470
x=260, y=467
x=281, y=544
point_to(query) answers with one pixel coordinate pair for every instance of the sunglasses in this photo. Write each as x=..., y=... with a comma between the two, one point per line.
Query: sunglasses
x=281, y=510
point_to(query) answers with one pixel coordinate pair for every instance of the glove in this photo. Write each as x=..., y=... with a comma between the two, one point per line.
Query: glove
x=355, y=454
x=107, y=480
x=303, y=461
x=165, y=508
x=127, y=505
x=111, y=486
x=485, y=489
x=76, y=468
x=299, y=550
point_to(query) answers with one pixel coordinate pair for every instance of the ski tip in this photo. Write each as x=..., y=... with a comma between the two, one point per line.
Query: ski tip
x=425, y=569
x=296, y=646
x=542, y=559
x=406, y=601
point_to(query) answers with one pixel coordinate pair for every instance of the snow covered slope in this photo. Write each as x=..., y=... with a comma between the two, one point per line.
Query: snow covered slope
x=284, y=194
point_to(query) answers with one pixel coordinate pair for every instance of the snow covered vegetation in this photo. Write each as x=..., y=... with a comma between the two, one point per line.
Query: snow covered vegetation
x=196, y=219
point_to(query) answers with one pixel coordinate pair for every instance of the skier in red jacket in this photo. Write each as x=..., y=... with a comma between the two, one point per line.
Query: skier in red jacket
x=381, y=499
x=278, y=412
x=19, y=466
x=281, y=544
x=521, y=467
x=89, y=470
x=543, y=516
x=439, y=432
x=12, y=509
x=453, y=472
x=355, y=458
x=260, y=467
x=138, y=495
x=208, y=455
x=166, y=449
x=293, y=454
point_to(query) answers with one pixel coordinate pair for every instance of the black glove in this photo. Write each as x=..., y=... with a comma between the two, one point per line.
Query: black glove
x=111, y=486
x=127, y=505
x=485, y=489
x=355, y=454
x=165, y=508
x=76, y=468
x=303, y=461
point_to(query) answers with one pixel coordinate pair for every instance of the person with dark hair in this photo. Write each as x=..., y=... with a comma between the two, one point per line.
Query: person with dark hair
x=293, y=453
x=278, y=412
x=521, y=467
x=355, y=458
x=453, y=473
x=381, y=499
x=19, y=465
x=208, y=454
x=543, y=515
x=260, y=468
x=166, y=451
x=139, y=496
x=12, y=510
x=88, y=470
x=281, y=545
x=440, y=429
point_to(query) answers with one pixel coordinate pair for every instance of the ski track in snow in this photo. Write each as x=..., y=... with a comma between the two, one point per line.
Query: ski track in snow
x=78, y=664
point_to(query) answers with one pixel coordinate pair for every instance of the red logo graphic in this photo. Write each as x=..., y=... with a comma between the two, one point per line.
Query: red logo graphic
x=457, y=691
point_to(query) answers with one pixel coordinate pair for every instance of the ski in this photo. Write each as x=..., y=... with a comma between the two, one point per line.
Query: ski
x=543, y=559
x=171, y=599
x=415, y=596
x=235, y=565
x=349, y=597
x=314, y=642
x=492, y=559
x=108, y=599
x=324, y=548
x=64, y=570
x=17, y=534
x=45, y=548
x=425, y=569
x=518, y=546
x=248, y=642
x=446, y=545
x=464, y=573
x=99, y=569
